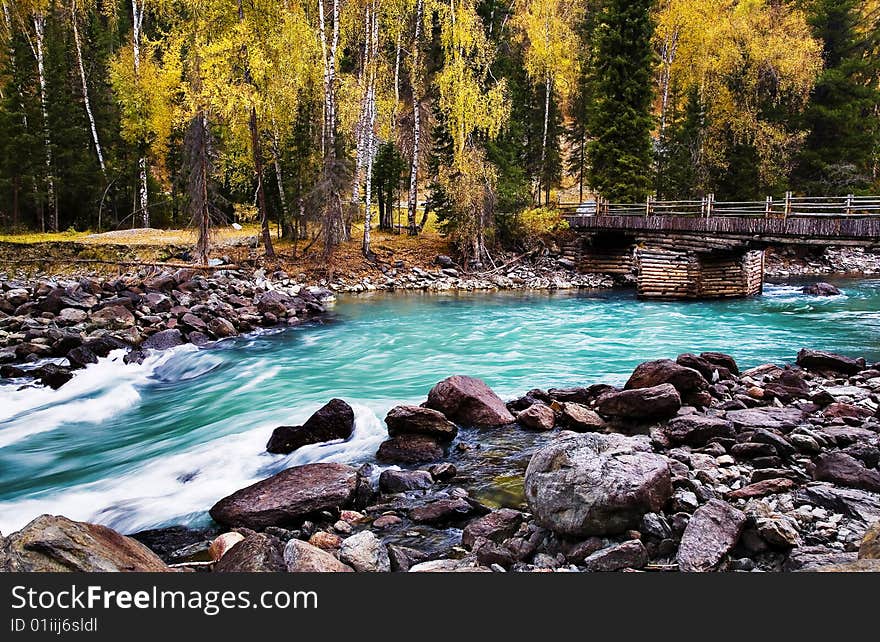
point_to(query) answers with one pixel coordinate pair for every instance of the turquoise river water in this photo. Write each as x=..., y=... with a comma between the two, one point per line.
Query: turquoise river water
x=139, y=446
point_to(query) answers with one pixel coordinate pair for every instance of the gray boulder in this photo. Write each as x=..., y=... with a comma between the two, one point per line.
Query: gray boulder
x=594, y=484
x=365, y=553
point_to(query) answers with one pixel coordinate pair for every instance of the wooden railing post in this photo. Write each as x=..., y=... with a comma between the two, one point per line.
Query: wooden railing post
x=849, y=202
x=703, y=207
x=768, y=206
x=787, y=211
x=709, y=205
x=649, y=206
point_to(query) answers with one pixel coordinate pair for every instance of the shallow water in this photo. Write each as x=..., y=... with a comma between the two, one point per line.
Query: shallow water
x=138, y=446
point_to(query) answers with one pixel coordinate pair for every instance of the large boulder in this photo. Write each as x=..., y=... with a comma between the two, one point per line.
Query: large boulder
x=257, y=553
x=469, y=402
x=53, y=544
x=821, y=289
x=365, y=553
x=302, y=557
x=290, y=495
x=654, y=373
x=335, y=420
x=712, y=531
x=845, y=470
x=783, y=419
x=828, y=361
x=404, y=420
x=594, y=484
x=641, y=404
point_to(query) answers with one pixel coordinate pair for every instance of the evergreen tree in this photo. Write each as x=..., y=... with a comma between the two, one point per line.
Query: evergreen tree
x=620, y=152
x=838, y=155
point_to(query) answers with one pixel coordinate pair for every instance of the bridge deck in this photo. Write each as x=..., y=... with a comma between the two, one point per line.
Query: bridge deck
x=861, y=230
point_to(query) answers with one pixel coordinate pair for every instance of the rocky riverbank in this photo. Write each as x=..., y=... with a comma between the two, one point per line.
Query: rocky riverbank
x=65, y=324
x=785, y=262
x=52, y=326
x=691, y=466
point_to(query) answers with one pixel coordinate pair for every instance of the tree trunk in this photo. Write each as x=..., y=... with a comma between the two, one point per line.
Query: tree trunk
x=542, y=178
x=412, y=201
x=332, y=219
x=257, y=153
x=39, y=43
x=371, y=123
x=85, y=87
x=137, y=19
x=279, y=177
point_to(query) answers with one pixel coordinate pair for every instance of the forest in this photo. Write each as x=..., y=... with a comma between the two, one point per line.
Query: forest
x=308, y=115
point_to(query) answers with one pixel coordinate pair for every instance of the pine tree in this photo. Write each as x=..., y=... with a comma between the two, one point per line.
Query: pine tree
x=620, y=152
x=838, y=154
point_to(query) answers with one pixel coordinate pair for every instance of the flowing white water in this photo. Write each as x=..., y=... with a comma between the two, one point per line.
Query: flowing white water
x=138, y=446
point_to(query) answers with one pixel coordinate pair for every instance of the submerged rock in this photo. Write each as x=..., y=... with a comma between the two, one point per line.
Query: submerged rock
x=595, y=484
x=469, y=402
x=52, y=544
x=333, y=421
x=290, y=495
x=821, y=289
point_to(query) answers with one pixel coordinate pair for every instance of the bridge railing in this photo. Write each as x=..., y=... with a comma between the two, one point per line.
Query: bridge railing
x=789, y=206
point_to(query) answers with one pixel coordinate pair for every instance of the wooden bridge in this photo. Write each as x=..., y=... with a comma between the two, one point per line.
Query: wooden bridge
x=711, y=249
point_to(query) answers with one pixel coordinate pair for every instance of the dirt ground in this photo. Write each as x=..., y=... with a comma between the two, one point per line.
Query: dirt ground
x=123, y=250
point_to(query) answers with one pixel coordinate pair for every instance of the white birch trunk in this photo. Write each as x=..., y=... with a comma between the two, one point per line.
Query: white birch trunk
x=548, y=89
x=39, y=49
x=85, y=87
x=415, y=80
x=276, y=161
x=370, y=124
x=137, y=19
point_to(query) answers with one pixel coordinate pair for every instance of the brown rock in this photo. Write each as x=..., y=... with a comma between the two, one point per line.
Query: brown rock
x=469, y=402
x=654, y=373
x=828, y=361
x=642, y=404
x=870, y=546
x=404, y=420
x=440, y=511
x=845, y=470
x=302, y=557
x=335, y=420
x=579, y=418
x=537, y=417
x=496, y=526
x=761, y=488
x=410, y=449
x=325, y=541
x=222, y=543
x=54, y=544
x=289, y=495
x=257, y=553
x=711, y=533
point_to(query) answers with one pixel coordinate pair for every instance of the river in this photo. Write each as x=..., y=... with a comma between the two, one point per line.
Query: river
x=140, y=446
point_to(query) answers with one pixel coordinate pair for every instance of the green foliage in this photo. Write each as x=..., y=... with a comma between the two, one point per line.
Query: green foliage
x=620, y=152
x=839, y=154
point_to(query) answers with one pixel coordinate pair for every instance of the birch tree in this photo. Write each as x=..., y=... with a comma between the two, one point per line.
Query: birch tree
x=78, y=10
x=30, y=16
x=546, y=28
